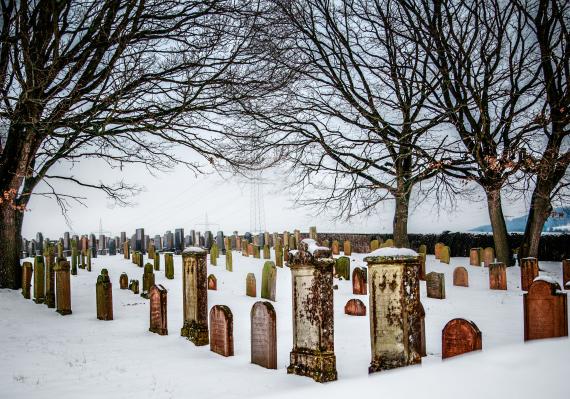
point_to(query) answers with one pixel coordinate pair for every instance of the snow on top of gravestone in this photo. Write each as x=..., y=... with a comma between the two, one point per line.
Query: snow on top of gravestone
x=194, y=249
x=548, y=279
x=393, y=251
x=313, y=247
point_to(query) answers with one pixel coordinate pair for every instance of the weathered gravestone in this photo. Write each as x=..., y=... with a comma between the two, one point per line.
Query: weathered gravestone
x=422, y=265
x=355, y=307
x=249, y=249
x=566, y=273
x=148, y=280
x=158, y=307
x=123, y=281
x=313, y=317
x=195, y=295
x=359, y=281
x=313, y=233
x=250, y=285
x=497, y=276
x=27, y=279
x=347, y=248
x=256, y=249
x=113, y=247
x=39, y=279
x=435, y=284
x=394, y=301
x=389, y=243
x=229, y=260
x=214, y=254
x=62, y=287
x=104, y=296
x=134, y=286
x=460, y=277
x=529, y=271
x=460, y=336
x=437, y=249
x=278, y=254
x=545, y=310
x=475, y=256
x=374, y=245
x=74, y=258
x=169, y=265
x=422, y=315
x=266, y=252
x=88, y=261
x=221, y=330
x=268, y=281
x=263, y=335
x=50, y=275
x=342, y=268
x=244, y=246
x=156, y=261
x=488, y=256
x=335, y=248
x=445, y=254
x=212, y=282
x=126, y=250
x=422, y=249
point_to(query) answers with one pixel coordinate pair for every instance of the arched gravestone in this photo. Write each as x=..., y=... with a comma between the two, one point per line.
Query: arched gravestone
x=460, y=277
x=475, y=257
x=355, y=307
x=268, y=281
x=158, y=310
x=104, y=296
x=374, y=245
x=212, y=282
x=221, y=330
x=497, y=276
x=347, y=248
x=359, y=281
x=263, y=335
x=437, y=249
x=566, y=273
x=422, y=249
x=250, y=285
x=335, y=247
x=460, y=336
x=445, y=254
x=545, y=310
x=123, y=281
x=435, y=283
x=488, y=256
x=342, y=267
x=529, y=271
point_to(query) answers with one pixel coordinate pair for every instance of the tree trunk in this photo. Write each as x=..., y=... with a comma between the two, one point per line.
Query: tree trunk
x=10, y=246
x=500, y=235
x=540, y=209
x=400, y=225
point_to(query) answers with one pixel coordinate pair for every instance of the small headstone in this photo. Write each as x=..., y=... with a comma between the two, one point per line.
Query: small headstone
x=545, y=310
x=104, y=296
x=134, y=286
x=123, y=281
x=313, y=233
x=422, y=270
x=389, y=243
x=445, y=254
x=148, y=280
x=126, y=250
x=422, y=249
x=263, y=335
x=214, y=254
x=212, y=282
x=359, y=281
x=435, y=283
x=347, y=248
x=50, y=275
x=256, y=249
x=39, y=279
x=250, y=285
x=497, y=276
x=221, y=330
x=355, y=307
x=474, y=257
x=158, y=310
x=460, y=277
x=62, y=287
x=529, y=271
x=422, y=314
x=229, y=260
x=460, y=336
x=268, y=281
x=488, y=256
x=278, y=254
x=156, y=261
x=169, y=265
x=342, y=267
x=249, y=249
x=266, y=252
x=374, y=245
x=27, y=279
x=565, y=273
x=335, y=247
x=437, y=249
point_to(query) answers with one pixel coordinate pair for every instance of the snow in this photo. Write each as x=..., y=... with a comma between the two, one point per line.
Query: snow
x=548, y=279
x=194, y=250
x=393, y=251
x=313, y=247
x=47, y=355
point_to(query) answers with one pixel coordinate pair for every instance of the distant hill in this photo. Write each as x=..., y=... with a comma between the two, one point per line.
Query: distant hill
x=559, y=222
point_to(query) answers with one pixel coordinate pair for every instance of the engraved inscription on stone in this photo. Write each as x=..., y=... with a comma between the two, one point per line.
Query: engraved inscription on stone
x=263, y=335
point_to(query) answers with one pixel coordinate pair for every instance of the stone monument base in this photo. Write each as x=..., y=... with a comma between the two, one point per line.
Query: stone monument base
x=196, y=333
x=320, y=366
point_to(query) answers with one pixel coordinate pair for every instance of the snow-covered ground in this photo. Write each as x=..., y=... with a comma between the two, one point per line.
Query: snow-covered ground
x=45, y=355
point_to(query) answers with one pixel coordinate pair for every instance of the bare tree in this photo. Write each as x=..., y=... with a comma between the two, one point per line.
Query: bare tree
x=121, y=80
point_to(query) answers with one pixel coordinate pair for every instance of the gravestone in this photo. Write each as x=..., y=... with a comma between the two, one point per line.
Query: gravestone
x=389, y=243
x=169, y=265
x=195, y=295
x=229, y=261
x=565, y=273
x=139, y=240
x=126, y=250
x=355, y=307
x=256, y=249
x=278, y=254
x=104, y=296
x=178, y=240
x=151, y=251
x=335, y=248
x=214, y=254
x=158, y=310
x=212, y=283
x=157, y=261
x=422, y=314
x=394, y=301
x=475, y=257
x=488, y=256
x=112, y=247
x=263, y=335
x=545, y=310
x=313, y=233
x=208, y=239
x=59, y=249
x=266, y=252
x=437, y=249
x=244, y=246
x=250, y=285
x=73, y=258
x=268, y=281
x=221, y=330
x=250, y=249
x=66, y=244
x=27, y=279
x=88, y=261
x=39, y=244
x=62, y=287
x=134, y=286
x=444, y=254
x=347, y=248
x=286, y=254
x=123, y=281
x=50, y=275
x=313, y=317
x=148, y=280
x=422, y=249
x=460, y=336
x=497, y=276
x=374, y=245
x=83, y=265
x=359, y=281
x=342, y=268
x=292, y=243
x=529, y=271
x=435, y=284
x=460, y=277
x=39, y=279
x=422, y=265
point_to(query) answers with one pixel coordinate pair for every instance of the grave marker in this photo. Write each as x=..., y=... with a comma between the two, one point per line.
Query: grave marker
x=435, y=284
x=488, y=256
x=460, y=277
x=263, y=335
x=475, y=257
x=123, y=281
x=50, y=275
x=27, y=279
x=39, y=279
x=497, y=276
x=134, y=286
x=250, y=285
x=195, y=295
x=268, y=281
x=148, y=280
x=460, y=336
x=158, y=310
x=529, y=271
x=169, y=265
x=545, y=310
x=62, y=287
x=355, y=307
x=359, y=281
x=221, y=330
x=347, y=248
x=444, y=254
x=342, y=268
x=104, y=296
x=212, y=282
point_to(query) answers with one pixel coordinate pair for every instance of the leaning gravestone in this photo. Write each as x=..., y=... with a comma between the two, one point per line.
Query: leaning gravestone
x=355, y=307
x=250, y=285
x=148, y=280
x=212, y=282
x=342, y=267
x=529, y=271
x=460, y=336
x=27, y=279
x=435, y=283
x=395, y=325
x=221, y=330
x=195, y=295
x=359, y=281
x=62, y=287
x=39, y=277
x=263, y=335
x=104, y=296
x=158, y=320
x=123, y=281
x=488, y=256
x=545, y=310
x=565, y=273
x=497, y=276
x=460, y=277
x=268, y=281
x=475, y=257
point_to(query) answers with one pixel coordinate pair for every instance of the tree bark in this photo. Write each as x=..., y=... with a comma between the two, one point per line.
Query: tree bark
x=500, y=235
x=10, y=246
x=400, y=224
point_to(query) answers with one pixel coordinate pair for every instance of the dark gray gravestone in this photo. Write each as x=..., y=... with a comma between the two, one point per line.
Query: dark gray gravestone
x=208, y=239
x=157, y=243
x=112, y=247
x=66, y=244
x=178, y=241
x=261, y=239
x=101, y=244
x=93, y=245
x=248, y=237
x=139, y=240
x=220, y=242
x=39, y=244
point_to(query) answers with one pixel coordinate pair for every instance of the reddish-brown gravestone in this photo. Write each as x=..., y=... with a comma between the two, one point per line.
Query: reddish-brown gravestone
x=460, y=336
x=158, y=321
x=26, y=279
x=437, y=249
x=488, y=256
x=212, y=282
x=124, y=281
x=335, y=247
x=104, y=296
x=221, y=330
x=263, y=335
x=435, y=283
x=529, y=271
x=475, y=256
x=359, y=281
x=566, y=273
x=250, y=249
x=497, y=276
x=545, y=310
x=62, y=287
x=460, y=277
x=250, y=285
x=355, y=307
